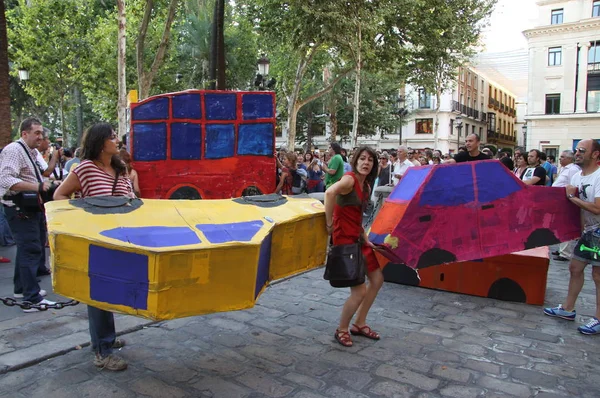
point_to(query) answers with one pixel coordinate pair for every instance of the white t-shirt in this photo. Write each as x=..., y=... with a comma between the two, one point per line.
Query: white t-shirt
x=589, y=189
x=566, y=174
x=400, y=168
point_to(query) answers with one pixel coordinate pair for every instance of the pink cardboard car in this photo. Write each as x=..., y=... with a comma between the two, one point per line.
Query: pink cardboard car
x=468, y=211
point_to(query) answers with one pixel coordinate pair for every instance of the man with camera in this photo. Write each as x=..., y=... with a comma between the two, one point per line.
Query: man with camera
x=22, y=189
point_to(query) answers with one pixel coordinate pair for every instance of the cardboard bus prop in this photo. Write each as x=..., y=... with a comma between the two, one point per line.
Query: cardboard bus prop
x=200, y=144
x=165, y=259
x=469, y=211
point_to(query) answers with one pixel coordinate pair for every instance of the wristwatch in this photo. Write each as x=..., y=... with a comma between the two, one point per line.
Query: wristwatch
x=571, y=196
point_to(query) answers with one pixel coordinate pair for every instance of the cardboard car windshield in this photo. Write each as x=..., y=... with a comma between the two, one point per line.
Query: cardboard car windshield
x=467, y=211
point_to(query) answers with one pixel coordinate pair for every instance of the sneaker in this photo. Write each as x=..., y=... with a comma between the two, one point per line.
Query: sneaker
x=119, y=343
x=110, y=362
x=560, y=313
x=44, y=301
x=592, y=327
x=43, y=293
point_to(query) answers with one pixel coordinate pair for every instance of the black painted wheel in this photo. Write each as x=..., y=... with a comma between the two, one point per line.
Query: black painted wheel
x=435, y=257
x=186, y=193
x=251, y=191
x=508, y=290
x=541, y=237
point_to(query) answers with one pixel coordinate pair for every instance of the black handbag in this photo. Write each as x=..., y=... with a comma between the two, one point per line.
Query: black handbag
x=345, y=265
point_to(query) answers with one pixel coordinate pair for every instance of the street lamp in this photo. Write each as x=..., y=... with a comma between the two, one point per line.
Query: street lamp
x=402, y=112
x=261, y=82
x=23, y=74
x=459, y=126
x=524, y=134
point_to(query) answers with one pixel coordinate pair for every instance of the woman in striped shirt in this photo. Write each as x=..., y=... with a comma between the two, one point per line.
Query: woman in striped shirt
x=101, y=173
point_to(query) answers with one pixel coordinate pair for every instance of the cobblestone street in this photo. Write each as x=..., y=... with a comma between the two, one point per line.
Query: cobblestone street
x=434, y=344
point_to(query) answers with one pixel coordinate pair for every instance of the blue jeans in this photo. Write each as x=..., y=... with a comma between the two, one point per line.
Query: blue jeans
x=29, y=232
x=102, y=330
x=6, y=238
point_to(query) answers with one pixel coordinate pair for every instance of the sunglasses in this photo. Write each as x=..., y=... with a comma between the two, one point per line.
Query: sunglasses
x=580, y=150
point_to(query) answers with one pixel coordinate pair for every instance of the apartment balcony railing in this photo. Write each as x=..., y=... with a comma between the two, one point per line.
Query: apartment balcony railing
x=465, y=110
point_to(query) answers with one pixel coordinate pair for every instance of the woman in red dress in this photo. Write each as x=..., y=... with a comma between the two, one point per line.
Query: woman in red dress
x=345, y=202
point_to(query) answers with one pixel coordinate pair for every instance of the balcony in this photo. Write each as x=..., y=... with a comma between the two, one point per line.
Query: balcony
x=465, y=110
x=493, y=103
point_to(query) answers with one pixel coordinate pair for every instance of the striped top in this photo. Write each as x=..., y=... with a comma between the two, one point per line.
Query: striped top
x=96, y=182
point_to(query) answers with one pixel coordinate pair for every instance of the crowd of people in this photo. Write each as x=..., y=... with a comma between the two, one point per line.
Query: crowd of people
x=101, y=168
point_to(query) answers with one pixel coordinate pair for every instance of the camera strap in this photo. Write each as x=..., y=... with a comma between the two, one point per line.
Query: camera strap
x=35, y=168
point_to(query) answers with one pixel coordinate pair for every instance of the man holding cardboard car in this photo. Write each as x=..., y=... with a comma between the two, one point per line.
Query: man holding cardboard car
x=22, y=189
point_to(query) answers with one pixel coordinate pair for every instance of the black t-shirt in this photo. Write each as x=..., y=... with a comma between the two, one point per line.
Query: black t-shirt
x=384, y=175
x=465, y=157
x=531, y=172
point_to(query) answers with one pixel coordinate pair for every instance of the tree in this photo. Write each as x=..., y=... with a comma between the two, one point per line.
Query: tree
x=5, y=128
x=121, y=68
x=444, y=40
x=146, y=77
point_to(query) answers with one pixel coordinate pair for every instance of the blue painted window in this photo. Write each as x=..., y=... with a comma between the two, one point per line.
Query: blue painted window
x=264, y=262
x=186, y=141
x=257, y=106
x=233, y=232
x=220, y=106
x=154, y=236
x=410, y=183
x=255, y=139
x=449, y=186
x=154, y=109
x=118, y=277
x=494, y=181
x=149, y=141
x=219, y=141
x=187, y=106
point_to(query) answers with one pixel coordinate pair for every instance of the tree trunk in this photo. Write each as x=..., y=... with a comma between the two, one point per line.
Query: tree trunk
x=212, y=69
x=145, y=79
x=356, y=104
x=333, y=117
x=436, y=125
x=309, y=131
x=221, y=47
x=65, y=137
x=78, y=113
x=121, y=76
x=5, y=126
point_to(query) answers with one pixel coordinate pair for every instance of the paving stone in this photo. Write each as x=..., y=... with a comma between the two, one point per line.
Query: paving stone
x=534, y=335
x=423, y=338
x=544, y=394
x=535, y=353
x=532, y=377
x=515, y=349
x=346, y=359
x=355, y=380
x=218, y=387
x=456, y=391
x=304, y=380
x=438, y=332
x=512, y=359
x=154, y=387
x=308, y=394
x=500, y=312
x=391, y=389
x=264, y=384
x=416, y=364
x=470, y=349
x=444, y=356
x=407, y=376
x=450, y=373
x=483, y=366
x=515, y=340
x=272, y=354
x=563, y=371
x=447, y=309
x=508, y=387
x=339, y=392
x=102, y=388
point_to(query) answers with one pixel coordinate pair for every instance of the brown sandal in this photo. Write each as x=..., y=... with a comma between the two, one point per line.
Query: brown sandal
x=343, y=338
x=365, y=331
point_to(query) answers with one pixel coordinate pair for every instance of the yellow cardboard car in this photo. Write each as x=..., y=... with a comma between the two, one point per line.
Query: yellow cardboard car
x=165, y=259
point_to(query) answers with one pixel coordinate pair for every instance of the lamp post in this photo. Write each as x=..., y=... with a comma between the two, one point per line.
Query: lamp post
x=261, y=82
x=459, y=126
x=23, y=74
x=524, y=135
x=402, y=112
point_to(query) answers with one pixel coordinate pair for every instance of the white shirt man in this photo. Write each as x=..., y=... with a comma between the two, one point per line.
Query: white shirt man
x=401, y=165
x=567, y=171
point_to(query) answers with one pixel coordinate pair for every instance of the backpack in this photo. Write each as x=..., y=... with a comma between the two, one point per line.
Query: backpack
x=298, y=181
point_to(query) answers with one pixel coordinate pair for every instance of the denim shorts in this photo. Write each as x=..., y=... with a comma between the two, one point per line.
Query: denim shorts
x=583, y=255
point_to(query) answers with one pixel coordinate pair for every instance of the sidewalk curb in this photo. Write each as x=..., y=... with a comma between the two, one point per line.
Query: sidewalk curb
x=67, y=350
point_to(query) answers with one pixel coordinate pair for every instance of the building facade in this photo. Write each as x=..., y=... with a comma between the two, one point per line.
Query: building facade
x=563, y=98
x=476, y=105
